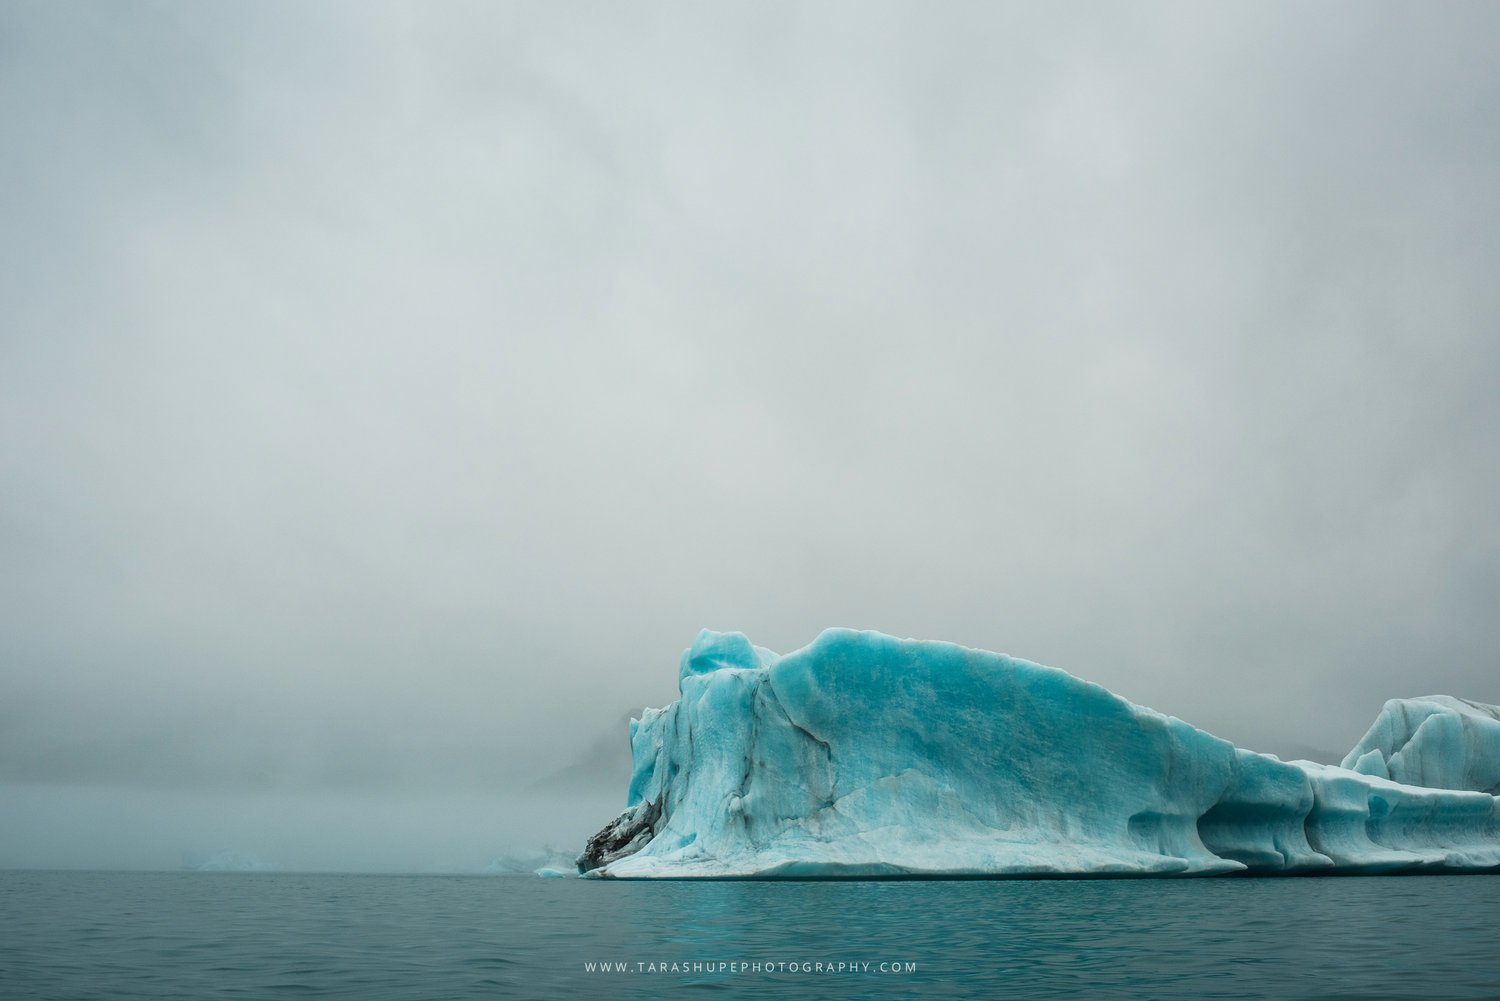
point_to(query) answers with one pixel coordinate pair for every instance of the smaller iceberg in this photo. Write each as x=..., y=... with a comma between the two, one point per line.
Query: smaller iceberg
x=529, y=861
x=1435, y=741
x=228, y=861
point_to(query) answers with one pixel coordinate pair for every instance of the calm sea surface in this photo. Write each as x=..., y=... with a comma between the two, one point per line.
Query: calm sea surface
x=80, y=935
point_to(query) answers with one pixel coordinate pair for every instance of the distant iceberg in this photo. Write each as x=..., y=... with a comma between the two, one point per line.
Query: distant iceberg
x=228, y=861
x=862, y=755
x=529, y=862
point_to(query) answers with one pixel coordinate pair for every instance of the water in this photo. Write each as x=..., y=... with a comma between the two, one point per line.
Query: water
x=112, y=935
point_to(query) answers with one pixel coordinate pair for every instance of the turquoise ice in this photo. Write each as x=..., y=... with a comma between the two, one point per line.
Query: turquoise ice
x=865, y=755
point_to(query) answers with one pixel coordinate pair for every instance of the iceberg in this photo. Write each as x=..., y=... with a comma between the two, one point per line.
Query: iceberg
x=1435, y=741
x=514, y=863
x=228, y=861
x=862, y=755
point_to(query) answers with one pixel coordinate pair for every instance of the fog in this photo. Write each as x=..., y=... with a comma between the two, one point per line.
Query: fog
x=388, y=393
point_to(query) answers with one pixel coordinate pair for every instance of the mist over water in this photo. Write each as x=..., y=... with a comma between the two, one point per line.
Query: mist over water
x=464, y=831
x=389, y=392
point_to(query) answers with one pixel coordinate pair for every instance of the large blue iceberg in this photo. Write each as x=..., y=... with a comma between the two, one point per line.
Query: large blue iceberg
x=862, y=755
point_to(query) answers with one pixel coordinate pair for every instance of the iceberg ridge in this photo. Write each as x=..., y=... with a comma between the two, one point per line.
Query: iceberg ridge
x=862, y=755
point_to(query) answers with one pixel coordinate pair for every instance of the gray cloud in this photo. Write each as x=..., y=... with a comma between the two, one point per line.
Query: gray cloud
x=388, y=393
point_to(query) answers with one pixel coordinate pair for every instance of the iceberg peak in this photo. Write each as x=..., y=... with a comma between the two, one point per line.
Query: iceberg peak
x=713, y=651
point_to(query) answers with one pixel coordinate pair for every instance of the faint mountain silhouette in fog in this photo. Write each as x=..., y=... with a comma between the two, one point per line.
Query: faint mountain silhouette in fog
x=603, y=766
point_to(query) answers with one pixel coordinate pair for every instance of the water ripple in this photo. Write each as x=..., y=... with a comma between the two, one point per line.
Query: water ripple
x=195, y=936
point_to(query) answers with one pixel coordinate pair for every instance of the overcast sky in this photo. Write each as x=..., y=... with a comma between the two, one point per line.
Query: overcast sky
x=388, y=393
